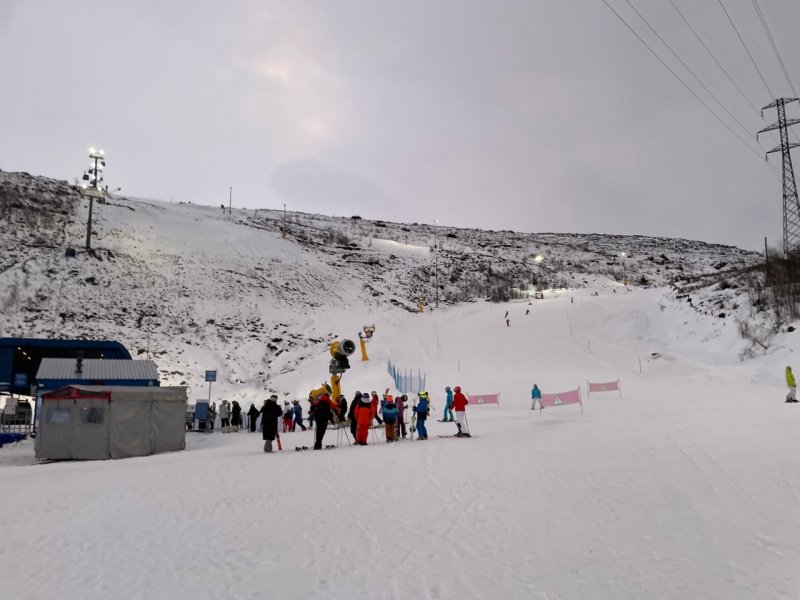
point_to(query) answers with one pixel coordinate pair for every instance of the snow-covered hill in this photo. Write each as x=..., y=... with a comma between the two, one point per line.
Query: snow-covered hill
x=198, y=288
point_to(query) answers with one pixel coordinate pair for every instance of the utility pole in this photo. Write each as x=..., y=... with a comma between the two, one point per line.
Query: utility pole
x=283, y=229
x=436, y=258
x=230, y=198
x=791, y=206
x=94, y=177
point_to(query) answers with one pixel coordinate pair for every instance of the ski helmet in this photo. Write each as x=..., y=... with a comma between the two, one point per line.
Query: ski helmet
x=457, y=389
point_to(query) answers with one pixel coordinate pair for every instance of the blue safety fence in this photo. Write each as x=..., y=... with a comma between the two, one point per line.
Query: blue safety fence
x=406, y=381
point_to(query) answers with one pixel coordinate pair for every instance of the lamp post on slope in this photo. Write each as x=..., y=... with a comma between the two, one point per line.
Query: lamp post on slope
x=91, y=187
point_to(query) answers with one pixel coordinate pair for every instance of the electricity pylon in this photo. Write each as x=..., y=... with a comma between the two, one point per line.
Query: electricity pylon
x=791, y=205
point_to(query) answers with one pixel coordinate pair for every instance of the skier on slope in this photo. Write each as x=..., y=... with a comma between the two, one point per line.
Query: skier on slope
x=288, y=416
x=364, y=413
x=270, y=413
x=792, y=395
x=447, y=414
x=297, y=408
x=421, y=410
x=351, y=414
x=460, y=405
x=253, y=414
x=536, y=394
x=401, y=412
x=224, y=417
x=390, y=419
x=323, y=414
x=375, y=403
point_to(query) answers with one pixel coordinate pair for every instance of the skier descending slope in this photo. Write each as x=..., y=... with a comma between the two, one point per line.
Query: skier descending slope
x=460, y=405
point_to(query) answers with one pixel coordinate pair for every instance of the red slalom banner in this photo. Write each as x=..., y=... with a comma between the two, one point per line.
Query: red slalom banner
x=610, y=386
x=485, y=399
x=560, y=399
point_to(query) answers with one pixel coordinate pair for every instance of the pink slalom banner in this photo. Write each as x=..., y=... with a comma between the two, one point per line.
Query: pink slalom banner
x=560, y=399
x=609, y=386
x=484, y=399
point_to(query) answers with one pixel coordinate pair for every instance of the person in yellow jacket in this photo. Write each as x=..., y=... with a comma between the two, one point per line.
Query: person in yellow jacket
x=792, y=395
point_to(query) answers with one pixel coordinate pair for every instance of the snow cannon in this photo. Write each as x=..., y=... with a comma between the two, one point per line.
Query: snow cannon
x=340, y=350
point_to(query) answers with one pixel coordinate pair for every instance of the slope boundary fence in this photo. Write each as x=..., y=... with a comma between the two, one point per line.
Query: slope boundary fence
x=405, y=380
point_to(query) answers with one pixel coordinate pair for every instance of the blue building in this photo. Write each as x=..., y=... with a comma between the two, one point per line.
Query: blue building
x=20, y=357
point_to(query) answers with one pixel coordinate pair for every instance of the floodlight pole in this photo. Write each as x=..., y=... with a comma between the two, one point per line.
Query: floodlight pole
x=97, y=157
x=230, y=198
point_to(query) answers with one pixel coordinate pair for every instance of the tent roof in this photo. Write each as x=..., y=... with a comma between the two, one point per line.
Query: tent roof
x=121, y=393
x=96, y=368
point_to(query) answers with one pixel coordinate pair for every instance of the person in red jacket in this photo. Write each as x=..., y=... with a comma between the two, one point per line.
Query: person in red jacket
x=460, y=406
x=364, y=413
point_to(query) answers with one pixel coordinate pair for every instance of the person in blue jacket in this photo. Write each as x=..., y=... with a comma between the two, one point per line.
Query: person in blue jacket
x=297, y=408
x=536, y=394
x=447, y=415
x=421, y=409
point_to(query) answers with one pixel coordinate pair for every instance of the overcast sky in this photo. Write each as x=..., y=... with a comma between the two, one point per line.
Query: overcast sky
x=536, y=115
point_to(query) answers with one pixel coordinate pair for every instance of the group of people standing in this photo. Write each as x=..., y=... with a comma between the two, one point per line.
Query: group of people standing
x=389, y=411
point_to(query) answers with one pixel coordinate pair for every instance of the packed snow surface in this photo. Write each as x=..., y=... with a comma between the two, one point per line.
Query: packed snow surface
x=686, y=486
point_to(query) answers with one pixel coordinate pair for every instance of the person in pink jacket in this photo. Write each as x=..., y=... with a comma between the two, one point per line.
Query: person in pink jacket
x=460, y=407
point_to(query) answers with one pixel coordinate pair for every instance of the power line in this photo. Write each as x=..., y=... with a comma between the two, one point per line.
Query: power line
x=774, y=47
x=746, y=49
x=711, y=54
x=685, y=66
x=722, y=68
x=683, y=83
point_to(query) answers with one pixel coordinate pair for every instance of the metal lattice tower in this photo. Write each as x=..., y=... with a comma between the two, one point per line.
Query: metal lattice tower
x=791, y=205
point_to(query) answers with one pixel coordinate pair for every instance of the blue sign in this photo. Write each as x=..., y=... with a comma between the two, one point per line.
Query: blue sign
x=211, y=375
x=20, y=379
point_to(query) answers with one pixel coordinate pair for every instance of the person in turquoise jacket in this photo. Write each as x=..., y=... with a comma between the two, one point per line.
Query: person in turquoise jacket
x=536, y=394
x=447, y=415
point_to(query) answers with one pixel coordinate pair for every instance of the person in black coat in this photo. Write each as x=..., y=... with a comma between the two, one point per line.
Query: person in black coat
x=323, y=414
x=253, y=414
x=236, y=416
x=270, y=413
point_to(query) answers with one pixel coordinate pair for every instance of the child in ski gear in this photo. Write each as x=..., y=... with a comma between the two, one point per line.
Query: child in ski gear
x=536, y=394
x=375, y=414
x=390, y=418
x=323, y=414
x=288, y=416
x=460, y=405
x=297, y=408
x=342, y=409
x=365, y=412
x=270, y=413
x=447, y=415
x=790, y=382
x=401, y=411
x=421, y=410
x=253, y=414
